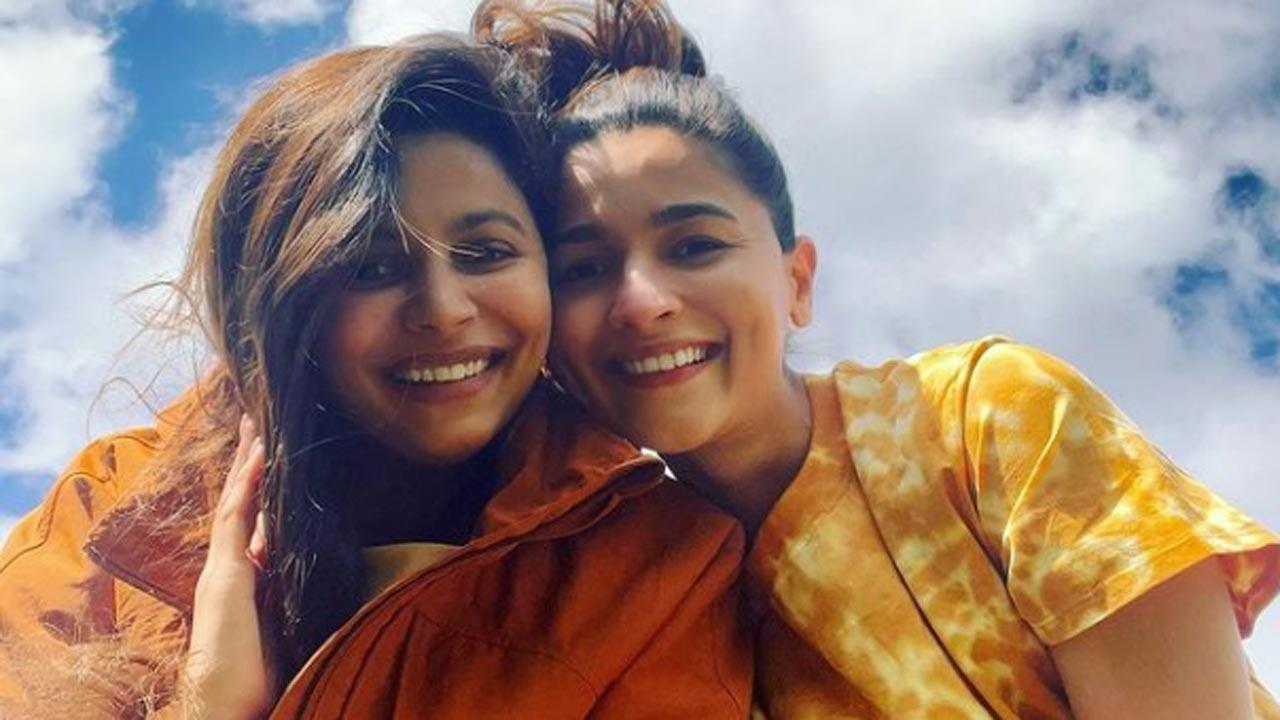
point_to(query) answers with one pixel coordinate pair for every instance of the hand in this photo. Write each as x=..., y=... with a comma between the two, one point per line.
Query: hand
x=226, y=673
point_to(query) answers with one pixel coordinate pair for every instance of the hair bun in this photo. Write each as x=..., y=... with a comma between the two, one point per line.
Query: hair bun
x=567, y=45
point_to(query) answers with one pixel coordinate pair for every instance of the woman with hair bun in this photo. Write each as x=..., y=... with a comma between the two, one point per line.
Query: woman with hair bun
x=411, y=523
x=974, y=531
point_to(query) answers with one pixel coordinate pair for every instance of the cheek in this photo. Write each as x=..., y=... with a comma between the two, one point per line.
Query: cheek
x=356, y=329
x=522, y=302
x=574, y=330
x=757, y=315
x=352, y=336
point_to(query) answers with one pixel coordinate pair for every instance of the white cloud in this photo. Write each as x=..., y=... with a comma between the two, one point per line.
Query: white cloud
x=271, y=13
x=46, y=12
x=63, y=111
x=63, y=265
x=383, y=21
x=63, y=116
x=61, y=351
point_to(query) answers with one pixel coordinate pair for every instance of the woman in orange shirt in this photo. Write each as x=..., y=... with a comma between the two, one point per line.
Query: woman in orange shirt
x=440, y=534
x=975, y=531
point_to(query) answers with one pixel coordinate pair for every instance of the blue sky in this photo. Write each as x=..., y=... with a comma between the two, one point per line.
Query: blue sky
x=1101, y=179
x=175, y=112
x=182, y=69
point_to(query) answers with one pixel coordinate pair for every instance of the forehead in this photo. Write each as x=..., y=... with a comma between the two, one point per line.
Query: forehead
x=628, y=175
x=445, y=174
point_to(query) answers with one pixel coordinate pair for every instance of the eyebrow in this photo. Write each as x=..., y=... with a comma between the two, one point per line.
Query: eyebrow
x=680, y=212
x=669, y=215
x=473, y=220
x=581, y=233
x=389, y=233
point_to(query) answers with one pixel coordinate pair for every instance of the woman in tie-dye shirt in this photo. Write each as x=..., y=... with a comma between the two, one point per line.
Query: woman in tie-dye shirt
x=975, y=531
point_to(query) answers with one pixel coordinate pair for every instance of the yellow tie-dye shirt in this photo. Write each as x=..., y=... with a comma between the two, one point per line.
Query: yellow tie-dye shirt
x=958, y=513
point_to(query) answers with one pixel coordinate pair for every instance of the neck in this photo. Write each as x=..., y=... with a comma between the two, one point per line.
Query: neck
x=748, y=467
x=398, y=501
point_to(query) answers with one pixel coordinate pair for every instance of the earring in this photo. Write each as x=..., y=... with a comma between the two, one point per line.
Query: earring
x=550, y=377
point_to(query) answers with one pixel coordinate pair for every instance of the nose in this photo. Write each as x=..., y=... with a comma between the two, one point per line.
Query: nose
x=642, y=300
x=441, y=303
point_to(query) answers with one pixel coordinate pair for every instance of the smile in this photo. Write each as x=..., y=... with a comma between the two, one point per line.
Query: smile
x=665, y=362
x=449, y=373
x=666, y=366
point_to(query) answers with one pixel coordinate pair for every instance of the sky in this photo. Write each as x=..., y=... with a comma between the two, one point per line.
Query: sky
x=1099, y=178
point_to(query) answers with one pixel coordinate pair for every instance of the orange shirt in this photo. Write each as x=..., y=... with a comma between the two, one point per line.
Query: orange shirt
x=593, y=587
x=958, y=513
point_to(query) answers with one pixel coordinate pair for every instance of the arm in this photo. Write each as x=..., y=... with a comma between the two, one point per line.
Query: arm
x=226, y=673
x=699, y=664
x=1140, y=580
x=1172, y=653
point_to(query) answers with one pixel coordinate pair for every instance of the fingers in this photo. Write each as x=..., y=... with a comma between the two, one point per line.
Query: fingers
x=237, y=511
x=225, y=670
x=258, y=542
x=243, y=441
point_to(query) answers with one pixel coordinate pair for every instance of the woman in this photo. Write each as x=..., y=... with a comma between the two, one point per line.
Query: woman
x=971, y=532
x=435, y=540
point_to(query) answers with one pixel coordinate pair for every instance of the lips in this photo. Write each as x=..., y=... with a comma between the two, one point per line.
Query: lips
x=665, y=364
x=443, y=373
x=445, y=368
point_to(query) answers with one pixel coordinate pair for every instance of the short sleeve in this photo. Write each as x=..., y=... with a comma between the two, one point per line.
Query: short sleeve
x=1086, y=512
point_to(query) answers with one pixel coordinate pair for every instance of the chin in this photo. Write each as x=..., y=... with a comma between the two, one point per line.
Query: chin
x=669, y=431
x=666, y=439
x=451, y=451
x=444, y=458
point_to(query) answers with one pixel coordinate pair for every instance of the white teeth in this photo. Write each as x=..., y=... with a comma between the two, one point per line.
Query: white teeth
x=444, y=373
x=665, y=362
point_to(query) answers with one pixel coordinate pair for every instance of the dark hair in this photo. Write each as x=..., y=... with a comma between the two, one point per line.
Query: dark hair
x=305, y=179
x=622, y=64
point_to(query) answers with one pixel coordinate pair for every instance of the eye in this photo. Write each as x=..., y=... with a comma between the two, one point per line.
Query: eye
x=379, y=271
x=696, y=248
x=581, y=271
x=482, y=255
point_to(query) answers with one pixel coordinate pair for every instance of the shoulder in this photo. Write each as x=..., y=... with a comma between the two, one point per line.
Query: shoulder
x=1012, y=369
x=667, y=561
x=991, y=367
x=117, y=458
x=652, y=549
x=93, y=481
x=672, y=518
x=103, y=474
x=991, y=362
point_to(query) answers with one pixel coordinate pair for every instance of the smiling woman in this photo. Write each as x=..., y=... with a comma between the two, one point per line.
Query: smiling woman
x=473, y=278
x=371, y=505
x=649, y=208
x=975, y=531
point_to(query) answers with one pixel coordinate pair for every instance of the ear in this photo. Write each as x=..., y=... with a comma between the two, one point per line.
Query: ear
x=554, y=372
x=802, y=263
